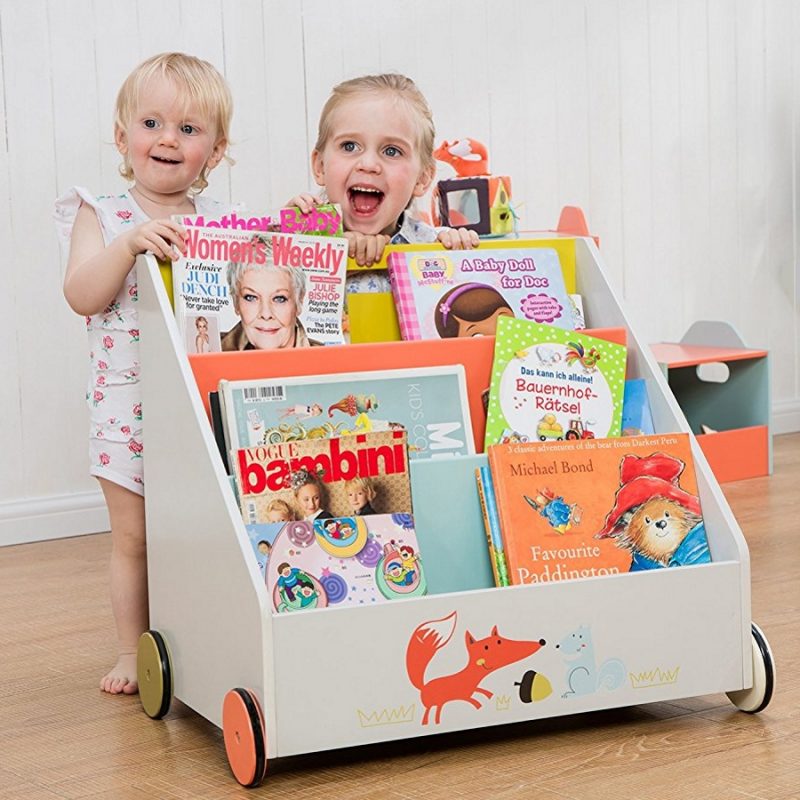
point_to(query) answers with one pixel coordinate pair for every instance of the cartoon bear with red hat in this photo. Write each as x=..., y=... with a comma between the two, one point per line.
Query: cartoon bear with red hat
x=659, y=522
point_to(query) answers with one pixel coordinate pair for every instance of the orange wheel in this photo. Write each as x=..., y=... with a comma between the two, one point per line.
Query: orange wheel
x=245, y=739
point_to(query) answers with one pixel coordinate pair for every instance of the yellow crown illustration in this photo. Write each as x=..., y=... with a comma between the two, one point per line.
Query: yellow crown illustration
x=502, y=702
x=386, y=716
x=654, y=677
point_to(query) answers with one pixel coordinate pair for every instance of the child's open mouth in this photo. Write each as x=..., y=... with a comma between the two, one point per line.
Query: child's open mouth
x=162, y=160
x=364, y=200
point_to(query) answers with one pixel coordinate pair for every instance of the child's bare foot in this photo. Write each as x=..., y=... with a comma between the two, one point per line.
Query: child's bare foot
x=122, y=678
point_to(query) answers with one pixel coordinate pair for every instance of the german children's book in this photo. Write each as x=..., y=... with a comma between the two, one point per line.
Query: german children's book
x=592, y=507
x=430, y=403
x=339, y=561
x=450, y=293
x=366, y=473
x=240, y=289
x=552, y=384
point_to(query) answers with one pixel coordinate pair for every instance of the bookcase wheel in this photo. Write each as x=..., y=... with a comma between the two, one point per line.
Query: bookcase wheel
x=757, y=697
x=154, y=673
x=245, y=737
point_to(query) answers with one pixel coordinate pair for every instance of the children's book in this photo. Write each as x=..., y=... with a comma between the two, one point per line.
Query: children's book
x=262, y=536
x=551, y=384
x=593, y=507
x=447, y=518
x=429, y=402
x=491, y=522
x=637, y=419
x=344, y=561
x=462, y=293
x=366, y=473
x=244, y=289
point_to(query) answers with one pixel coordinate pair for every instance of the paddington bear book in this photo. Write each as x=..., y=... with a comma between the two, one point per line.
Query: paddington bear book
x=445, y=294
x=335, y=562
x=431, y=403
x=593, y=507
x=244, y=289
x=366, y=473
x=552, y=384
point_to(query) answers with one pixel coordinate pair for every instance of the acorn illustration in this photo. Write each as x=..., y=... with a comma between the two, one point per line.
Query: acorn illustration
x=533, y=687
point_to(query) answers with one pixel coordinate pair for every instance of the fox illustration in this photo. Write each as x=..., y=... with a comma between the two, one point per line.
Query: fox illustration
x=484, y=657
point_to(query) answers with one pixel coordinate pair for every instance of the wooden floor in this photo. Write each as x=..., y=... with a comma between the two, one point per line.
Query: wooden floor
x=60, y=737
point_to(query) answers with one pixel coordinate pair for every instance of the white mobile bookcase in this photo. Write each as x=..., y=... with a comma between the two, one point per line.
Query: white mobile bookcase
x=279, y=685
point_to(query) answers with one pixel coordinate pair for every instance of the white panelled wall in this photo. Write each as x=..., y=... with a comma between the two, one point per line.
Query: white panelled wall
x=672, y=123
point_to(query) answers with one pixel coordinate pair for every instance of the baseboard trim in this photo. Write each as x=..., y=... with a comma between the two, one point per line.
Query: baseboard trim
x=37, y=519
x=785, y=418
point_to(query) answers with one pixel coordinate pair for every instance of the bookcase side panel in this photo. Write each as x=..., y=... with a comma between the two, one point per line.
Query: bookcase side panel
x=207, y=597
x=370, y=673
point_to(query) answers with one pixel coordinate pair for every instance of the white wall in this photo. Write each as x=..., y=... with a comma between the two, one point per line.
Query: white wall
x=673, y=123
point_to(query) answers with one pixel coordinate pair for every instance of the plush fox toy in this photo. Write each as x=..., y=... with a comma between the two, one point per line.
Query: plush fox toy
x=468, y=157
x=474, y=199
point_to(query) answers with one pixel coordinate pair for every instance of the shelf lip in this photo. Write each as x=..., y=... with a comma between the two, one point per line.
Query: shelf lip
x=675, y=355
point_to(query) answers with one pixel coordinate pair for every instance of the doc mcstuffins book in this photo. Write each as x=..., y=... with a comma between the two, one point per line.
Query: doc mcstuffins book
x=592, y=507
x=552, y=384
x=462, y=293
x=342, y=561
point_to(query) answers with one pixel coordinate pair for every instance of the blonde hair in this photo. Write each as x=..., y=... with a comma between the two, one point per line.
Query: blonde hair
x=200, y=83
x=282, y=506
x=365, y=484
x=404, y=90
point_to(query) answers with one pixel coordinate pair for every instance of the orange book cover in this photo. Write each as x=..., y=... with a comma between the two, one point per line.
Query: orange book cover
x=593, y=507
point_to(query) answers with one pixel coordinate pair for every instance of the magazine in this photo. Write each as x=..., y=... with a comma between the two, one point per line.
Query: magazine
x=429, y=402
x=241, y=290
x=321, y=478
x=322, y=220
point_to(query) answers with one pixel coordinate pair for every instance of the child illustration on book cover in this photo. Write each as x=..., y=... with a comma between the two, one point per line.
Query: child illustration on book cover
x=470, y=309
x=344, y=561
x=653, y=517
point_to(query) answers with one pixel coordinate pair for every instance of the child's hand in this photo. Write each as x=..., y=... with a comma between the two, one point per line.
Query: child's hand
x=458, y=238
x=162, y=237
x=366, y=248
x=304, y=202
